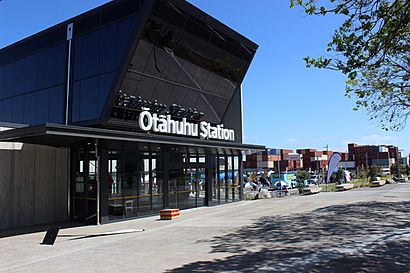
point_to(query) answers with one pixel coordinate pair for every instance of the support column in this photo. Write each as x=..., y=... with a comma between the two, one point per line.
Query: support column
x=209, y=162
x=104, y=183
x=97, y=178
x=233, y=177
x=70, y=31
x=240, y=170
x=165, y=169
x=226, y=179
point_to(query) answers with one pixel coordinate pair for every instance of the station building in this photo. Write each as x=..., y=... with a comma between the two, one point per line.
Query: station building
x=122, y=111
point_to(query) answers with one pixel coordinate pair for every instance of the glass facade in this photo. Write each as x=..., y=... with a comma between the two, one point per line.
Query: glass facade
x=135, y=184
x=84, y=184
x=32, y=87
x=97, y=55
x=140, y=182
x=33, y=73
x=187, y=181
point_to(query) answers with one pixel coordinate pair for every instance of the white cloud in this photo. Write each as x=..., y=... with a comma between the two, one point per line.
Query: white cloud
x=373, y=139
x=292, y=140
x=377, y=139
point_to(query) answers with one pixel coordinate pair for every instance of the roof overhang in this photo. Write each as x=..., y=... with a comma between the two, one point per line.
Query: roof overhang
x=66, y=136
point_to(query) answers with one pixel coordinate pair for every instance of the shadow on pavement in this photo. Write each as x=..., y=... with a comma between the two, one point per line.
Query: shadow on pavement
x=38, y=228
x=360, y=237
x=105, y=234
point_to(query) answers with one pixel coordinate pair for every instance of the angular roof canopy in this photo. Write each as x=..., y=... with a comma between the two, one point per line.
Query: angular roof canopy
x=64, y=136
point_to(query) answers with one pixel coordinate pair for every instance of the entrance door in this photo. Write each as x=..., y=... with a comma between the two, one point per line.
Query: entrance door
x=187, y=184
x=137, y=187
x=84, y=185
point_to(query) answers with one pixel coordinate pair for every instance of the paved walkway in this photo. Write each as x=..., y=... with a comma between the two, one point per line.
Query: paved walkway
x=364, y=229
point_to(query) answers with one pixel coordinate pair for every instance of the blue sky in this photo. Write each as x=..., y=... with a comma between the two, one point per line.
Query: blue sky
x=285, y=104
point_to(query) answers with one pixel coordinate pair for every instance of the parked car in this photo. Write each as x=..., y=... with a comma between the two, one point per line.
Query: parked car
x=313, y=179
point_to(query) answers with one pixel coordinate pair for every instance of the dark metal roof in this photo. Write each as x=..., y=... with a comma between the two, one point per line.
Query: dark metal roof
x=185, y=5
x=65, y=136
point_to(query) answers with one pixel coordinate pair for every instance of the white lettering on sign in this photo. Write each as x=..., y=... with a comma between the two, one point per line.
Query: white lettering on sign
x=165, y=124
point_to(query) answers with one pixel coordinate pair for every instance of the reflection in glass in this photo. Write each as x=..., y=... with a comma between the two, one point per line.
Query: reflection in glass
x=215, y=182
x=24, y=81
x=187, y=181
x=84, y=196
x=130, y=185
x=115, y=186
x=135, y=184
x=229, y=180
x=157, y=189
x=236, y=179
x=201, y=187
x=144, y=196
x=223, y=189
x=175, y=66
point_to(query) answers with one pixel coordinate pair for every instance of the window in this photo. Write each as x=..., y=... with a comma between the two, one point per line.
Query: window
x=97, y=55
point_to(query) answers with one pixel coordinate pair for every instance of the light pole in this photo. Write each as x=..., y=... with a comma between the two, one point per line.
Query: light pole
x=327, y=163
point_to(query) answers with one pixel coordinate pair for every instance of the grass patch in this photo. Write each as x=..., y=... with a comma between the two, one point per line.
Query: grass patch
x=329, y=187
x=360, y=183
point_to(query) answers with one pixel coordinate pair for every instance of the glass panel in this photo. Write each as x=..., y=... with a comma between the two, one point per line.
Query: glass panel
x=7, y=110
x=176, y=178
x=237, y=178
x=108, y=44
x=2, y=83
x=144, y=201
x=42, y=106
x=84, y=187
x=180, y=66
x=22, y=79
x=51, y=66
x=86, y=55
x=75, y=108
x=115, y=187
x=201, y=187
x=230, y=180
x=18, y=109
x=91, y=198
x=157, y=182
x=79, y=191
x=30, y=108
x=56, y=106
x=131, y=184
x=201, y=182
x=187, y=193
x=19, y=77
x=31, y=73
x=88, y=99
x=215, y=182
x=223, y=190
x=97, y=55
x=104, y=87
x=184, y=182
x=8, y=81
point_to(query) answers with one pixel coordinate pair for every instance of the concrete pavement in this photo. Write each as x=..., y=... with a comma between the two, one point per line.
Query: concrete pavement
x=364, y=229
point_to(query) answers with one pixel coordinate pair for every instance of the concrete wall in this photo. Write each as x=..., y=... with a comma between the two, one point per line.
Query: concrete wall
x=33, y=186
